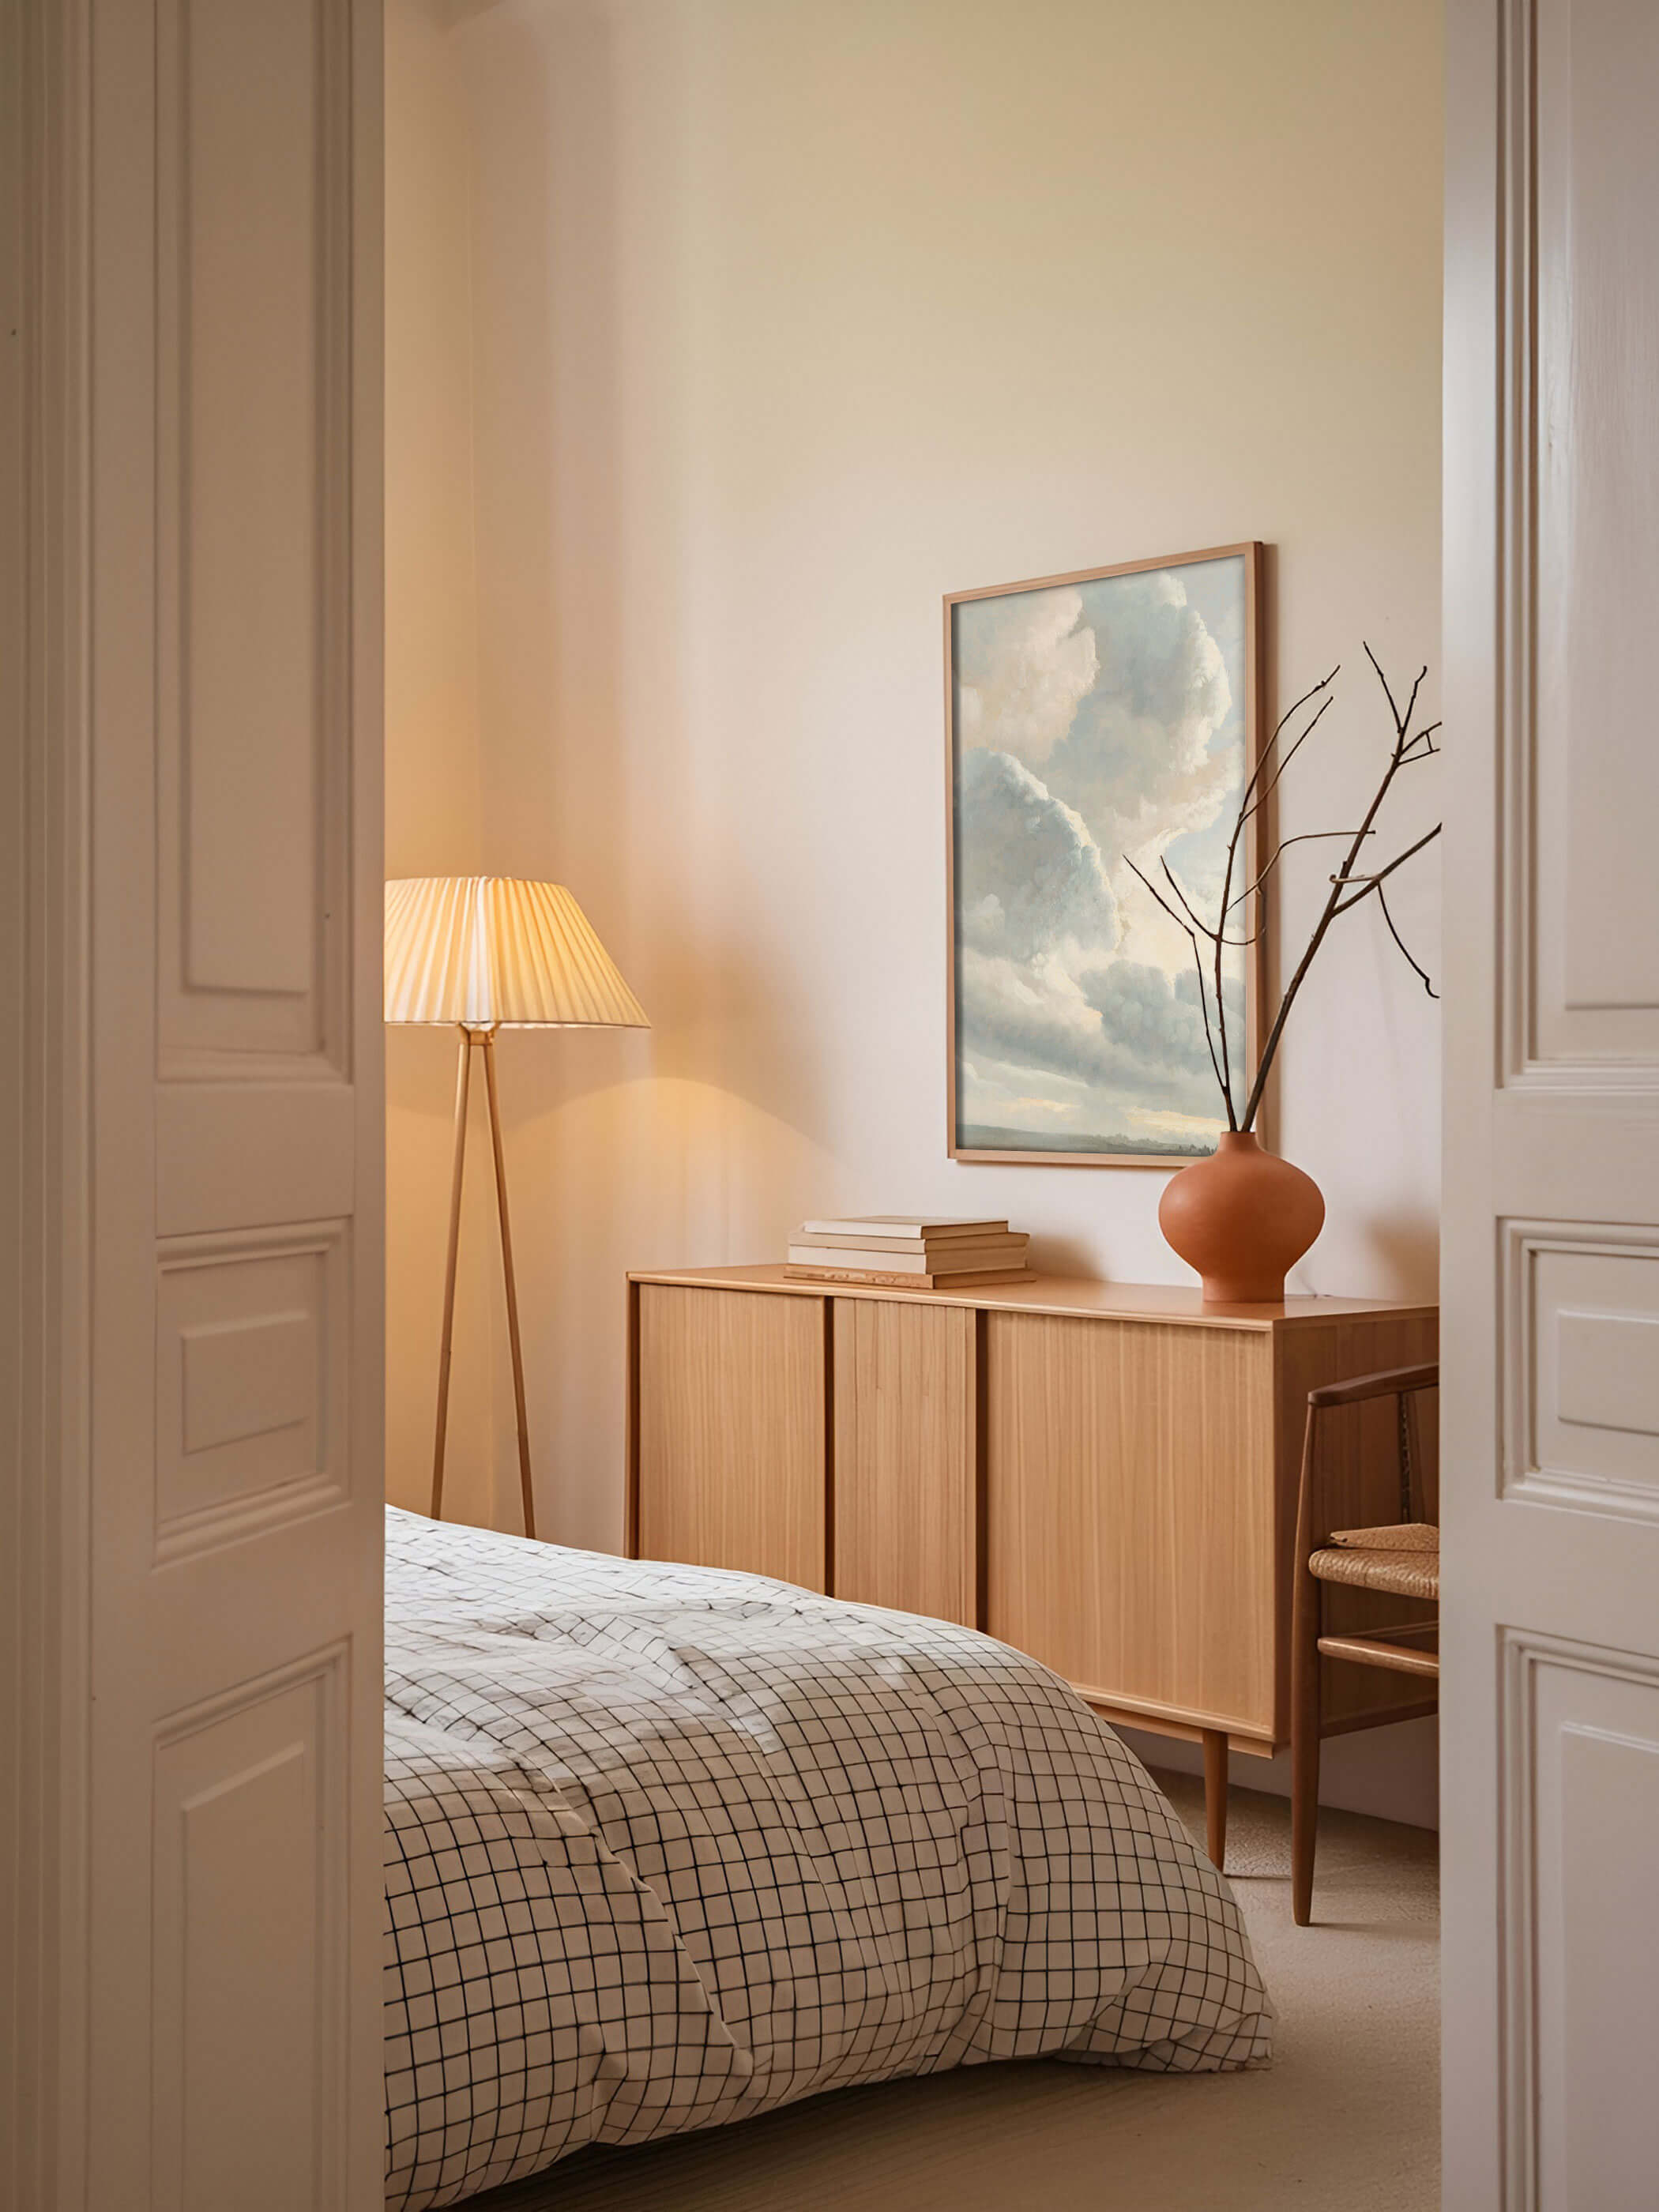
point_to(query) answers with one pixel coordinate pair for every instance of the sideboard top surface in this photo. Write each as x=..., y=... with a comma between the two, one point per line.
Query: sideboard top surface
x=1067, y=1295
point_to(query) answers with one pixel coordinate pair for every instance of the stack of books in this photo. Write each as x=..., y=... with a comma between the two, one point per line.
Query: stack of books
x=909, y=1251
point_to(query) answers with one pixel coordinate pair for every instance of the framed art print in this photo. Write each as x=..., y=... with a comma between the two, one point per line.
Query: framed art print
x=1098, y=724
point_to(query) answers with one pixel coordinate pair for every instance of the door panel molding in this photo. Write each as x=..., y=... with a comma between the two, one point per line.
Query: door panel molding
x=1578, y=1328
x=254, y=1375
x=302, y=1134
x=1580, y=982
x=250, y=1800
x=253, y=622
x=1580, y=1731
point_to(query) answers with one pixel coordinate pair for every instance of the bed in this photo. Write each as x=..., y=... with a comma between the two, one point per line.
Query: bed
x=668, y=1847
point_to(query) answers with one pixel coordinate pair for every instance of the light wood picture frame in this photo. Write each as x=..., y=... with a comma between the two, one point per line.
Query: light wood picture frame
x=1093, y=719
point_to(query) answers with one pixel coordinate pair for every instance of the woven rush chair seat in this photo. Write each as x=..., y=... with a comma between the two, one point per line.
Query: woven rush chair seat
x=1384, y=1563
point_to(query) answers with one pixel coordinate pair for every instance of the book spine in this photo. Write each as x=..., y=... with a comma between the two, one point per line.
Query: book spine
x=972, y=1262
x=989, y=1240
x=867, y=1232
x=876, y=1278
x=858, y=1262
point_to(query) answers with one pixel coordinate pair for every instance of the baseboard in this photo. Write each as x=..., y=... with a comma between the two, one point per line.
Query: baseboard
x=1392, y=1773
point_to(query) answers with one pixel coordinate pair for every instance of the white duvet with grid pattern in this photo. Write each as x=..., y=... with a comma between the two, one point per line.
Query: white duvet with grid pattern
x=668, y=1846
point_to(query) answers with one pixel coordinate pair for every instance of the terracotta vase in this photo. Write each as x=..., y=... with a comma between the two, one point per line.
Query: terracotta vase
x=1242, y=1218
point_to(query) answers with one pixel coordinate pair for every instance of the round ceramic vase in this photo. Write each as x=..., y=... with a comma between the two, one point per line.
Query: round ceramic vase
x=1243, y=1218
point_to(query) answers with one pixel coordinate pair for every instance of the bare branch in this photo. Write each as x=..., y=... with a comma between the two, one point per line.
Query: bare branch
x=1422, y=973
x=1304, y=837
x=1268, y=788
x=1348, y=888
x=1246, y=808
x=1336, y=903
x=1401, y=722
x=1215, y=936
x=1410, y=704
x=1387, y=692
x=1180, y=922
x=1203, y=1008
x=1191, y=934
x=1371, y=883
x=1289, y=715
x=1233, y=944
x=1203, y=928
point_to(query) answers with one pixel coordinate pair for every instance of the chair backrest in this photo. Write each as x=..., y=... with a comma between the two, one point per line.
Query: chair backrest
x=1416, y=1445
x=1419, y=1456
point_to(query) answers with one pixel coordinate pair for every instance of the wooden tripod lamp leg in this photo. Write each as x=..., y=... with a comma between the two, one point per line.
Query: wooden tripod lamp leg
x=511, y=1289
x=462, y=1073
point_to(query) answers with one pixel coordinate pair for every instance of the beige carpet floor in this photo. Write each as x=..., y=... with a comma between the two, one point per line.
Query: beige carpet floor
x=1347, y=2119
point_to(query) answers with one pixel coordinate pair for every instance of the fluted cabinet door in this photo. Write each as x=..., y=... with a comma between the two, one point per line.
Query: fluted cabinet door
x=1131, y=1500
x=906, y=1531
x=732, y=1438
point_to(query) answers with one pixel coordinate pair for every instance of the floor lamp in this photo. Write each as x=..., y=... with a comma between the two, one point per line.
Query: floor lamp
x=486, y=953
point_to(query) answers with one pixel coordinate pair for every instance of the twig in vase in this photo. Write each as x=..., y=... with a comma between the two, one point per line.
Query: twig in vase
x=1348, y=888
x=1421, y=972
x=1190, y=930
x=1247, y=807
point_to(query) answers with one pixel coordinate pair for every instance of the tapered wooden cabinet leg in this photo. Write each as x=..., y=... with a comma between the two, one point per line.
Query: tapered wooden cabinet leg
x=1215, y=1794
x=447, y=1339
x=1304, y=1745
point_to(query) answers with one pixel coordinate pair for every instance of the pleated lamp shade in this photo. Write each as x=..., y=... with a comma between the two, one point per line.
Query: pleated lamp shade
x=496, y=952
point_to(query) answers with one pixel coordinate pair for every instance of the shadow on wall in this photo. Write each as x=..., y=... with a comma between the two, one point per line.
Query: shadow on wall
x=578, y=1138
x=583, y=586
x=567, y=521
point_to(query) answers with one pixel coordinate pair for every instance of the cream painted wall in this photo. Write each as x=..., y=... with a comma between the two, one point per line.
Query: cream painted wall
x=785, y=320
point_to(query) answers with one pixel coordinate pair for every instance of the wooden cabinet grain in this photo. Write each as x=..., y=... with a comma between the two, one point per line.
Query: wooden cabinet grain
x=1129, y=1511
x=731, y=1435
x=906, y=1519
x=1101, y=1475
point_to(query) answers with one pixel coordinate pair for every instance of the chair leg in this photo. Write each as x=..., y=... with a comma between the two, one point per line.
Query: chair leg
x=1304, y=1745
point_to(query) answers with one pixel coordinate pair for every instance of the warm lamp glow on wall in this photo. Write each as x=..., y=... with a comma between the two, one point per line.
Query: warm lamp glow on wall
x=487, y=953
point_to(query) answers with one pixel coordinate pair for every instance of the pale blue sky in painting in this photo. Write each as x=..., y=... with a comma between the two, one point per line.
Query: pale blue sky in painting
x=1094, y=720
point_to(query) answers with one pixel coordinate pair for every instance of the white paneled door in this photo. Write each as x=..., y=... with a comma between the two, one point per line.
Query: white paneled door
x=1551, y=1292
x=233, y=1877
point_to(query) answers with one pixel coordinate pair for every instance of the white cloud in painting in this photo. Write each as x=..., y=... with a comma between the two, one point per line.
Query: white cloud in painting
x=1122, y=1027
x=1022, y=666
x=1158, y=1026
x=1137, y=761
x=1098, y=723
x=1031, y=876
x=1116, y=698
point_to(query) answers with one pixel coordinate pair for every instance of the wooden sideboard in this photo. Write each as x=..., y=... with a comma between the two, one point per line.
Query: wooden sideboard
x=1101, y=1475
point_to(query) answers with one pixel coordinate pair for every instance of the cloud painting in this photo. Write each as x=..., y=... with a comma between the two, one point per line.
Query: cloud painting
x=1095, y=721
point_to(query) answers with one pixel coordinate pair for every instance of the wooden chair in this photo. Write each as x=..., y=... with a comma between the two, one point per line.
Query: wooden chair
x=1401, y=1559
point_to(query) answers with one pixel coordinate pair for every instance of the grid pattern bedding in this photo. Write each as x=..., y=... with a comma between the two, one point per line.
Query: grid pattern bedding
x=668, y=1846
